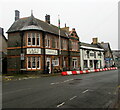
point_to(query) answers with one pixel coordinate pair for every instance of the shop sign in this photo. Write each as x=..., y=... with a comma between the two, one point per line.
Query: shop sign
x=33, y=51
x=51, y=52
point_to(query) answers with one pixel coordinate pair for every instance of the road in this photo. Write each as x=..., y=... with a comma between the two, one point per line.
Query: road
x=94, y=90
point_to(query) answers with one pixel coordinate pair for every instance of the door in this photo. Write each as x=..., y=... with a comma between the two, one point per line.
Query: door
x=48, y=63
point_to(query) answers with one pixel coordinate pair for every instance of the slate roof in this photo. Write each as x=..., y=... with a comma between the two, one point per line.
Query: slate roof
x=32, y=23
x=106, y=46
x=85, y=45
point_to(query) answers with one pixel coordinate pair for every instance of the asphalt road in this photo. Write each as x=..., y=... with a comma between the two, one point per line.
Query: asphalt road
x=94, y=90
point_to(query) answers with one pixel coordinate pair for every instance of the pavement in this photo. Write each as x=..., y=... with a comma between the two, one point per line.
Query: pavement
x=95, y=90
x=26, y=76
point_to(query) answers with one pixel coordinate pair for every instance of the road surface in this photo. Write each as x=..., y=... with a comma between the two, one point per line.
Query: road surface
x=94, y=90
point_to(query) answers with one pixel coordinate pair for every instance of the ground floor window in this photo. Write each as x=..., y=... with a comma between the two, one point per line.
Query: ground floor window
x=74, y=62
x=85, y=64
x=91, y=64
x=33, y=62
x=55, y=61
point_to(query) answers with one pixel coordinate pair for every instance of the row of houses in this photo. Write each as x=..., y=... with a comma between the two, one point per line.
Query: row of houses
x=38, y=46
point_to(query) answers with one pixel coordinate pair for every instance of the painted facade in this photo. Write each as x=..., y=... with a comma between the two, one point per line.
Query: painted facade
x=91, y=56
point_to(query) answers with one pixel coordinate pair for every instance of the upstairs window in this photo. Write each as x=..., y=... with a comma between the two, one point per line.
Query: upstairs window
x=29, y=39
x=64, y=44
x=33, y=39
x=74, y=46
x=47, y=41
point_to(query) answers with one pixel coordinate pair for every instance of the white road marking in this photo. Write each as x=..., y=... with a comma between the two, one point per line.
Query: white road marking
x=73, y=97
x=61, y=104
x=85, y=91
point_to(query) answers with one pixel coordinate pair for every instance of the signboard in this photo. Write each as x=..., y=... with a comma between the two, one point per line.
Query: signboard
x=33, y=50
x=51, y=52
x=22, y=56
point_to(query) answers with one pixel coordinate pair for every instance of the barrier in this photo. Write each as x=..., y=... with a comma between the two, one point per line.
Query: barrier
x=64, y=73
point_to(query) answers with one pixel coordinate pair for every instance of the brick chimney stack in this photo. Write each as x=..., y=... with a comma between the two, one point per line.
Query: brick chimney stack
x=47, y=18
x=95, y=40
x=17, y=15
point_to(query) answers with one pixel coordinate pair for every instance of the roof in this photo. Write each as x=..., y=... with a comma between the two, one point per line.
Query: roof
x=32, y=23
x=106, y=46
x=90, y=46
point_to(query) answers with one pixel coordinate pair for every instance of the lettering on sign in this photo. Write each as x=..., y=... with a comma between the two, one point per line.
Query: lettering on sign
x=33, y=51
x=51, y=52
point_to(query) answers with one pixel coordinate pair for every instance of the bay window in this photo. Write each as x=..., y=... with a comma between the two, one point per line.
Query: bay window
x=33, y=63
x=33, y=39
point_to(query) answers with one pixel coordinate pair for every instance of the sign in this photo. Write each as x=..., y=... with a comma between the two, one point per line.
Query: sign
x=22, y=56
x=51, y=52
x=33, y=50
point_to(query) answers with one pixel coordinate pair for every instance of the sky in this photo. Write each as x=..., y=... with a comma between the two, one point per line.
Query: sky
x=90, y=18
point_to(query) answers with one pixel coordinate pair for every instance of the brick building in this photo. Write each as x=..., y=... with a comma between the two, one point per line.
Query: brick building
x=35, y=45
x=3, y=52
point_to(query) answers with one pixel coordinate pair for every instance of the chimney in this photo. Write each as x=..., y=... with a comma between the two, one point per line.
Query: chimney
x=47, y=18
x=95, y=40
x=17, y=13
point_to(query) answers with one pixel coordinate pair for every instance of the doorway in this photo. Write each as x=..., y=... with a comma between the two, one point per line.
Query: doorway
x=48, y=63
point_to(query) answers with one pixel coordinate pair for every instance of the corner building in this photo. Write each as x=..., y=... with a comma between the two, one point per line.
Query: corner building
x=33, y=46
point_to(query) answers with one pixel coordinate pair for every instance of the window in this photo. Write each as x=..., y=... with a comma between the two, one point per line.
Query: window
x=29, y=39
x=94, y=54
x=38, y=39
x=33, y=63
x=74, y=62
x=64, y=44
x=91, y=64
x=29, y=62
x=47, y=41
x=33, y=39
x=85, y=64
x=91, y=54
x=74, y=46
x=56, y=61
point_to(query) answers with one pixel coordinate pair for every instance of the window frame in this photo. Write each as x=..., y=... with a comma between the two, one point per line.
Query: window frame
x=31, y=62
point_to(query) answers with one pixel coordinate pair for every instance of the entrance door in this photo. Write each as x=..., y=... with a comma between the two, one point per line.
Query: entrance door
x=48, y=62
x=95, y=64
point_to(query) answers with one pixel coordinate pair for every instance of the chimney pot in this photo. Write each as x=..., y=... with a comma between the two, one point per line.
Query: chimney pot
x=47, y=18
x=17, y=14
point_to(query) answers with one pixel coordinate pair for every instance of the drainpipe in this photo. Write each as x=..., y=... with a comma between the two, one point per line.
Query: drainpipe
x=22, y=54
x=44, y=64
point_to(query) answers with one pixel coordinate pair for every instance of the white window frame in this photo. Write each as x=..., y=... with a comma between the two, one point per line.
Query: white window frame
x=31, y=60
x=55, y=61
x=31, y=37
x=46, y=43
x=75, y=61
x=37, y=36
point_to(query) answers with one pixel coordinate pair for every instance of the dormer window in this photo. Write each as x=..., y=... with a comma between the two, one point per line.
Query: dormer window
x=33, y=39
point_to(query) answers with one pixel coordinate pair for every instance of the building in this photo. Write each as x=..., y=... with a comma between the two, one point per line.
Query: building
x=37, y=46
x=92, y=56
x=108, y=57
x=3, y=52
x=116, y=56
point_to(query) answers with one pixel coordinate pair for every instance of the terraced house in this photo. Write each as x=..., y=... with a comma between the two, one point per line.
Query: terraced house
x=35, y=45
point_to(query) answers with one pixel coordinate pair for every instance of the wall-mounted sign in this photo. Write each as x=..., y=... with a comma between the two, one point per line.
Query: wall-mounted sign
x=51, y=52
x=33, y=51
x=22, y=56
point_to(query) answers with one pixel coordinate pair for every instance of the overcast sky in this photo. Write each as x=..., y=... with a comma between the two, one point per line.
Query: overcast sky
x=90, y=18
